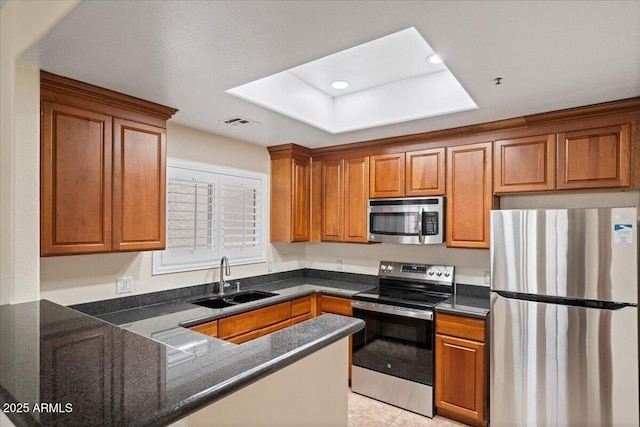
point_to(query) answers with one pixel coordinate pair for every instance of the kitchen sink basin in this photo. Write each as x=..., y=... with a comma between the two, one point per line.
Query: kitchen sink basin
x=215, y=302
x=250, y=296
x=233, y=299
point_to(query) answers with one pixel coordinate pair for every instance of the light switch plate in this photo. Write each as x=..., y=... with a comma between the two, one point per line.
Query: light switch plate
x=124, y=285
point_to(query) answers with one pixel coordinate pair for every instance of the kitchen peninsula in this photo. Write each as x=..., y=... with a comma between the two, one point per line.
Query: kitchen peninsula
x=90, y=372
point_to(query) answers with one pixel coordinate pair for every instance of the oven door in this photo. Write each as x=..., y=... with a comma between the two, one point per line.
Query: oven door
x=395, y=341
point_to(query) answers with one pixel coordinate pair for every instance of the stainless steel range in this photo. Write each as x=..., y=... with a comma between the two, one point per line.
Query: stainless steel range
x=393, y=355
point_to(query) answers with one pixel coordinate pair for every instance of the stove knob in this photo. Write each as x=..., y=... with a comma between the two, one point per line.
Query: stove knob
x=439, y=272
x=447, y=273
x=383, y=267
x=430, y=272
x=390, y=268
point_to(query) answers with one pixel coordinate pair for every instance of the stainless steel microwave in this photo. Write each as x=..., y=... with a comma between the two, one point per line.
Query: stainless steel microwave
x=412, y=220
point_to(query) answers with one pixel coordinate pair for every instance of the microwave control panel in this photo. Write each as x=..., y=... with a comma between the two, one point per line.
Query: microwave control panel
x=430, y=224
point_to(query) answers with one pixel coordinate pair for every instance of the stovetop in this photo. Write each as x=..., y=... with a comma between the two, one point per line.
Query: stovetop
x=420, y=286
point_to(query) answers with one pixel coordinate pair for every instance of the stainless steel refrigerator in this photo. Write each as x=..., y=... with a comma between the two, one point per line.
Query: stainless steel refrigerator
x=564, y=318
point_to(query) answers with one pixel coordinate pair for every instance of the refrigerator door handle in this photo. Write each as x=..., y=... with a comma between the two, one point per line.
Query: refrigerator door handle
x=601, y=305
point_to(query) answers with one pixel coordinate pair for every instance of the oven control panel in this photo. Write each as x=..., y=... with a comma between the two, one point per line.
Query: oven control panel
x=422, y=272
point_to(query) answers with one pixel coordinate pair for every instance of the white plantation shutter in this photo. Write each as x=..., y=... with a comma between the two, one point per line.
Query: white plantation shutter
x=211, y=212
x=190, y=215
x=242, y=216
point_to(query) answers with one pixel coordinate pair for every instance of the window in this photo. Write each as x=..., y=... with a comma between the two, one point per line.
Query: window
x=212, y=211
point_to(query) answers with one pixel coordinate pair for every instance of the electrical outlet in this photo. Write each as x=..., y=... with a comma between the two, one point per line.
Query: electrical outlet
x=487, y=277
x=339, y=265
x=124, y=285
x=269, y=266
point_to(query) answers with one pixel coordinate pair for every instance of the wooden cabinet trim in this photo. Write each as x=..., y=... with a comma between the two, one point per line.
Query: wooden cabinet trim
x=53, y=84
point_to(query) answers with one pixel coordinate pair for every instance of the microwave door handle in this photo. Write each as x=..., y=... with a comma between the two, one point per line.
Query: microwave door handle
x=420, y=236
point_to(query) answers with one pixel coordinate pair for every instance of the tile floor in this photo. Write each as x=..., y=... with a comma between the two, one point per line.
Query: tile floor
x=365, y=412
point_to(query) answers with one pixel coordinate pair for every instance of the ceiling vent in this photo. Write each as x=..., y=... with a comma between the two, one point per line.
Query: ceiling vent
x=239, y=121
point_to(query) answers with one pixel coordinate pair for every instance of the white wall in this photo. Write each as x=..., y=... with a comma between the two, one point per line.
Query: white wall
x=81, y=278
x=365, y=259
x=22, y=23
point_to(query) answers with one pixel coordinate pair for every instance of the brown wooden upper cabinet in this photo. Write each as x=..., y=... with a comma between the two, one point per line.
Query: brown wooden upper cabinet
x=411, y=174
x=469, y=195
x=594, y=158
x=525, y=164
x=425, y=172
x=102, y=170
x=345, y=190
x=386, y=175
x=290, y=193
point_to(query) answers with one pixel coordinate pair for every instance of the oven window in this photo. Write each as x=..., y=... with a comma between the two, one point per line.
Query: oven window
x=396, y=223
x=395, y=345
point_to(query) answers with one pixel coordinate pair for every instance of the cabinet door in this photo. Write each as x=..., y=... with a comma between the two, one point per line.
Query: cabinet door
x=71, y=361
x=425, y=172
x=356, y=197
x=301, y=196
x=139, y=183
x=332, y=200
x=525, y=164
x=594, y=158
x=386, y=175
x=336, y=305
x=469, y=195
x=75, y=181
x=460, y=377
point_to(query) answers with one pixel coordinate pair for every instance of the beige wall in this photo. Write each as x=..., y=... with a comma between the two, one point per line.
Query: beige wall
x=81, y=278
x=22, y=23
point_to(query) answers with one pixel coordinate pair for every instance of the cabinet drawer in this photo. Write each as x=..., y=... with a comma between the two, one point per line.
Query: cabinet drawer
x=256, y=319
x=460, y=326
x=301, y=306
x=335, y=305
x=276, y=327
x=209, y=328
x=302, y=318
x=239, y=339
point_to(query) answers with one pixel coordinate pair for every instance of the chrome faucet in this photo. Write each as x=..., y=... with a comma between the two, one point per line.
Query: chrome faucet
x=224, y=261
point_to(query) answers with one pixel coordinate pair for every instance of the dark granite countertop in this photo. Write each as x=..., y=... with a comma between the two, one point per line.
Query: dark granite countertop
x=469, y=306
x=90, y=372
x=166, y=322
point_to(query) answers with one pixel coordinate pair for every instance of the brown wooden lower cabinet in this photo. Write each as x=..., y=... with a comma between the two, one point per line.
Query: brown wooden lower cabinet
x=253, y=324
x=257, y=323
x=461, y=369
x=336, y=305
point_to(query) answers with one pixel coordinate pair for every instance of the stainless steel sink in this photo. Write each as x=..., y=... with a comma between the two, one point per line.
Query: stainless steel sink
x=233, y=299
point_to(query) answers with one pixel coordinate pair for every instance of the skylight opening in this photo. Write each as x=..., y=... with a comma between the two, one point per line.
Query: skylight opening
x=380, y=82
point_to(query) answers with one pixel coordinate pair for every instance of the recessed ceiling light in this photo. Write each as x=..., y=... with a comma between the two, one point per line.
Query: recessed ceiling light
x=340, y=84
x=434, y=59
